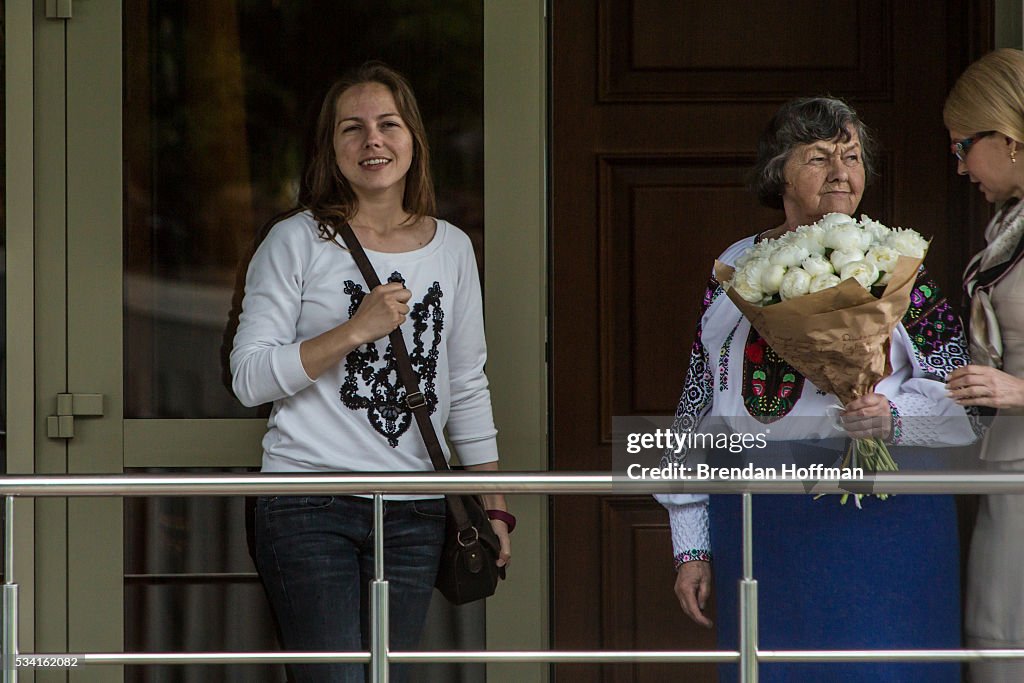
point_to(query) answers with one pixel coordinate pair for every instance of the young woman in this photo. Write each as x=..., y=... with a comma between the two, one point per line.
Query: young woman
x=314, y=341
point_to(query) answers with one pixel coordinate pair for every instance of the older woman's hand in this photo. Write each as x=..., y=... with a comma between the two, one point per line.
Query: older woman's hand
x=868, y=416
x=693, y=588
x=980, y=385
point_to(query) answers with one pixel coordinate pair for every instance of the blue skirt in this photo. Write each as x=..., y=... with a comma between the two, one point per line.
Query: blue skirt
x=835, y=577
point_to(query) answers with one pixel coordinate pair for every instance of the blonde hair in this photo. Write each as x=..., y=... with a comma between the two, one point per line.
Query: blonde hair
x=989, y=95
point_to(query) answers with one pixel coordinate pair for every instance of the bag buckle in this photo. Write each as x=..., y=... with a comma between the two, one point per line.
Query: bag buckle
x=415, y=400
x=476, y=537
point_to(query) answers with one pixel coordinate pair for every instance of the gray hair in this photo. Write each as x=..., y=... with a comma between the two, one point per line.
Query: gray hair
x=803, y=121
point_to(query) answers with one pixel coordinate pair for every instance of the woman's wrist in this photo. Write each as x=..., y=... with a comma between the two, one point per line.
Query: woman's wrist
x=322, y=352
x=1019, y=402
x=896, y=429
x=692, y=555
x=350, y=336
x=503, y=516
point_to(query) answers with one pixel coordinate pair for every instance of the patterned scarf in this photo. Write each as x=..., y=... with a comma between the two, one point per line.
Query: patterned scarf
x=1004, y=250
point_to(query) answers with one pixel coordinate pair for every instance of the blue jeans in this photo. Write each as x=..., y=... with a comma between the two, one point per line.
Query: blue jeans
x=315, y=556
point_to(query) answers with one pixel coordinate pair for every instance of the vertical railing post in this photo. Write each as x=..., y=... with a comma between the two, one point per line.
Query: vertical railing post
x=748, y=599
x=9, y=633
x=379, y=625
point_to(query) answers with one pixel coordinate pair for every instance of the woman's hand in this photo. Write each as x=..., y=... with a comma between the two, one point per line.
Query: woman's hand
x=496, y=501
x=980, y=385
x=380, y=312
x=693, y=588
x=868, y=416
x=505, y=551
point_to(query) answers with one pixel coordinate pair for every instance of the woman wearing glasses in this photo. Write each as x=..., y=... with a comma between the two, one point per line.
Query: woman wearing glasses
x=985, y=117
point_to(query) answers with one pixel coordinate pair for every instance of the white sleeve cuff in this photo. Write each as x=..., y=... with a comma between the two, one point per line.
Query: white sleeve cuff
x=477, y=452
x=690, y=536
x=286, y=364
x=926, y=416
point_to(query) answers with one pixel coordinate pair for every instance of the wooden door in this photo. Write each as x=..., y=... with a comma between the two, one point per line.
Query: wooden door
x=657, y=107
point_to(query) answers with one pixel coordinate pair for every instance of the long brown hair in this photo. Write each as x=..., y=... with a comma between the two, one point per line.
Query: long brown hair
x=327, y=194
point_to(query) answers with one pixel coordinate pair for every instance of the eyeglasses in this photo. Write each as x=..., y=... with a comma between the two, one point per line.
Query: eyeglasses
x=960, y=149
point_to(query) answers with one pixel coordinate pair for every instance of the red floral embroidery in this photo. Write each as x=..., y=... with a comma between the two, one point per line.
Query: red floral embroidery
x=755, y=352
x=770, y=385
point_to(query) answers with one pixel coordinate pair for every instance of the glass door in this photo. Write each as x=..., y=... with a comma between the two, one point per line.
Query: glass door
x=185, y=127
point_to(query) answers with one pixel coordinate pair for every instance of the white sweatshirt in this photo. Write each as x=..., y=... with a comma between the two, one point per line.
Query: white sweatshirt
x=353, y=417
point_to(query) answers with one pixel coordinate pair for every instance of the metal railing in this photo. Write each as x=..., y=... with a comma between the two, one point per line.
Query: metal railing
x=748, y=656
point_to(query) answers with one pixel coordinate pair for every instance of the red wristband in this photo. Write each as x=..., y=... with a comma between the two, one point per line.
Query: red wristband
x=503, y=516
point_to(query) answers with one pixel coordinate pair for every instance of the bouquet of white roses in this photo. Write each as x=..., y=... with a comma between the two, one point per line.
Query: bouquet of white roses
x=826, y=297
x=816, y=257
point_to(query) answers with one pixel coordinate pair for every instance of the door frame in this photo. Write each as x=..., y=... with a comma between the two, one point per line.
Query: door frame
x=39, y=176
x=515, y=309
x=19, y=183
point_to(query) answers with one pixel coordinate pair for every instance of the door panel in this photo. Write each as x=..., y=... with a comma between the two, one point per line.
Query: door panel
x=193, y=443
x=93, y=319
x=657, y=108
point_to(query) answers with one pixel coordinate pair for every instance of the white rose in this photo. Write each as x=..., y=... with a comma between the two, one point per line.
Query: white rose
x=784, y=238
x=840, y=257
x=752, y=269
x=816, y=264
x=823, y=281
x=833, y=220
x=908, y=242
x=771, y=278
x=867, y=240
x=747, y=290
x=845, y=237
x=811, y=238
x=879, y=233
x=789, y=255
x=755, y=252
x=796, y=282
x=885, y=259
x=762, y=252
x=747, y=279
x=864, y=272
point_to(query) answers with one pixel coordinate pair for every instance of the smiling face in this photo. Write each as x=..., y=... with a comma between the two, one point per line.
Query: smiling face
x=987, y=162
x=823, y=177
x=372, y=144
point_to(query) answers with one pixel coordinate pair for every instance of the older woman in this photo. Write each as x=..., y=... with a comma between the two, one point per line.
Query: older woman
x=985, y=117
x=830, y=577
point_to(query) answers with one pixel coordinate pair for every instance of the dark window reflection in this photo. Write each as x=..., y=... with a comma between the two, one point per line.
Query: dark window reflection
x=218, y=99
x=190, y=586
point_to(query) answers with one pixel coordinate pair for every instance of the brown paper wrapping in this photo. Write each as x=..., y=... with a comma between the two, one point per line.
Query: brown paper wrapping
x=837, y=338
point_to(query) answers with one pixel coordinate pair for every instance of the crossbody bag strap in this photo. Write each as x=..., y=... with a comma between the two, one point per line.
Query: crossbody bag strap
x=414, y=398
